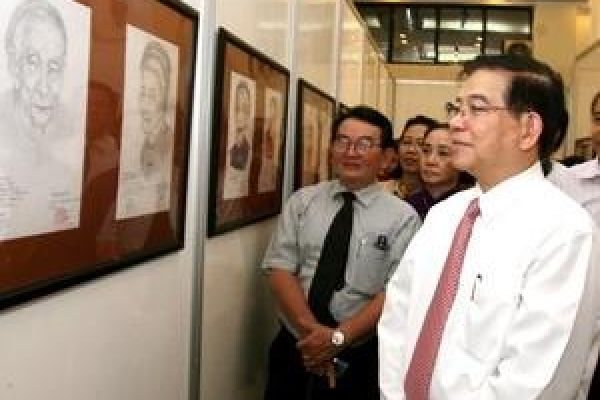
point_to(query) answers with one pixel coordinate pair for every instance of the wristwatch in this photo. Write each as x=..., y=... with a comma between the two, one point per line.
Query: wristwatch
x=338, y=338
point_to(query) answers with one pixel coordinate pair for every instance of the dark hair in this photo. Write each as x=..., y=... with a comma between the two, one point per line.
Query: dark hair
x=418, y=120
x=534, y=87
x=437, y=125
x=595, y=101
x=571, y=160
x=520, y=48
x=370, y=116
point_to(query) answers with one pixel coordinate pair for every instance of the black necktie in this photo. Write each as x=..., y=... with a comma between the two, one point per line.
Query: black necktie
x=329, y=275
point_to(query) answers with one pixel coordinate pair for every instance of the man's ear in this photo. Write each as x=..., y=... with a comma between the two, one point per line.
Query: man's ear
x=531, y=130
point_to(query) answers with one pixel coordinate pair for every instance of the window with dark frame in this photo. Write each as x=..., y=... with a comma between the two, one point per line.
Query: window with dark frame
x=448, y=33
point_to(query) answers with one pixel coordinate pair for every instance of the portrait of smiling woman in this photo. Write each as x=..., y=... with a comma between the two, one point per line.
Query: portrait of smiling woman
x=148, y=130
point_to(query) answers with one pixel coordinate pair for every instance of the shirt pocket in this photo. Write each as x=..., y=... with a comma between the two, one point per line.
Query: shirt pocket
x=371, y=263
x=489, y=313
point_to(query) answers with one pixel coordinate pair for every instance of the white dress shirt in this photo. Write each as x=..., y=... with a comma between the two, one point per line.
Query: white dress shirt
x=522, y=324
x=588, y=176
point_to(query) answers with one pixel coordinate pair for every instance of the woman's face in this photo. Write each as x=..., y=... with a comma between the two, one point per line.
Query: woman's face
x=436, y=166
x=152, y=98
x=409, y=148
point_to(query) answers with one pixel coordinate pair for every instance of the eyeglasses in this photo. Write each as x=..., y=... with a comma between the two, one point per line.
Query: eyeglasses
x=409, y=142
x=470, y=109
x=362, y=145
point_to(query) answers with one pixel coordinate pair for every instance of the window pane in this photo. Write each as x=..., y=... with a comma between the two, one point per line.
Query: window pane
x=458, y=46
x=508, y=21
x=378, y=20
x=461, y=34
x=461, y=19
x=414, y=35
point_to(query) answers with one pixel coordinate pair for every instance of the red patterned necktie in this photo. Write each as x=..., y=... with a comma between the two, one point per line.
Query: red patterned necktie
x=418, y=376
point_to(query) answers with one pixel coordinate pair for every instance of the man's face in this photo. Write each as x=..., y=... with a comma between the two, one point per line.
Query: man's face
x=484, y=135
x=409, y=149
x=152, y=98
x=354, y=169
x=40, y=63
x=436, y=166
x=595, y=128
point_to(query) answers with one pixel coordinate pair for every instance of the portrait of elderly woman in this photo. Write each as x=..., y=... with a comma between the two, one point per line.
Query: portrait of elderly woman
x=240, y=136
x=43, y=86
x=148, y=130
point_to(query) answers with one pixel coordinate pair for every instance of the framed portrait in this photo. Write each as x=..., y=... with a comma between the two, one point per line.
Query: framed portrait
x=95, y=130
x=248, y=139
x=584, y=148
x=315, y=113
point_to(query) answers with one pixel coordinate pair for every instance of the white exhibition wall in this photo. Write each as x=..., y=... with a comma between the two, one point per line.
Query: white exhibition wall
x=238, y=313
x=351, y=55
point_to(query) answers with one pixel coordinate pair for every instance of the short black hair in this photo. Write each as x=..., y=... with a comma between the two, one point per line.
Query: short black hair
x=370, y=116
x=437, y=125
x=534, y=86
x=427, y=122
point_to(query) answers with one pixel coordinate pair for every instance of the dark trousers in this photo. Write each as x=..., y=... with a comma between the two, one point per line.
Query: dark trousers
x=288, y=380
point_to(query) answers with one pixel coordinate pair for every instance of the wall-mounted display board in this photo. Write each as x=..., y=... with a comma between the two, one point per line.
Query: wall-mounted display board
x=94, y=135
x=248, y=142
x=314, y=118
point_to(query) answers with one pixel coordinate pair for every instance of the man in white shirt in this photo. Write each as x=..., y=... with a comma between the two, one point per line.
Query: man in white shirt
x=521, y=322
x=588, y=173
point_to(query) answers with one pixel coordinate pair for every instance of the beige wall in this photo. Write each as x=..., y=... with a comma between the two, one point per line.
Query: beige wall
x=352, y=42
x=370, y=79
x=554, y=36
x=237, y=314
x=315, y=45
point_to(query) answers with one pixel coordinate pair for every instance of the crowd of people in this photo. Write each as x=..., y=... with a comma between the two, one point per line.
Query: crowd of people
x=458, y=262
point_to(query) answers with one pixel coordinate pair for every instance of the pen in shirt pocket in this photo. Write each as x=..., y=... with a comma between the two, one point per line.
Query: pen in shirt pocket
x=361, y=243
x=475, y=288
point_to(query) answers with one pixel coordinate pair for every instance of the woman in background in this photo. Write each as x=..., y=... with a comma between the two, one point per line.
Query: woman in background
x=438, y=176
x=409, y=153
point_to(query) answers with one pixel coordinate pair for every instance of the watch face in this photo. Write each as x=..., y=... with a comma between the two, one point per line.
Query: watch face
x=337, y=338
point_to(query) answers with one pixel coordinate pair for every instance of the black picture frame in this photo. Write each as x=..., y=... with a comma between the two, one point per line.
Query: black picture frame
x=315, y=114
x=46, y=261
x=248, y=136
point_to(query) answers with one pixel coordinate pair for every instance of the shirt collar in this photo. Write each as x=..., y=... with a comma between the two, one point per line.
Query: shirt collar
x=503, y=195
x=363, y=196
x=590, y=170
